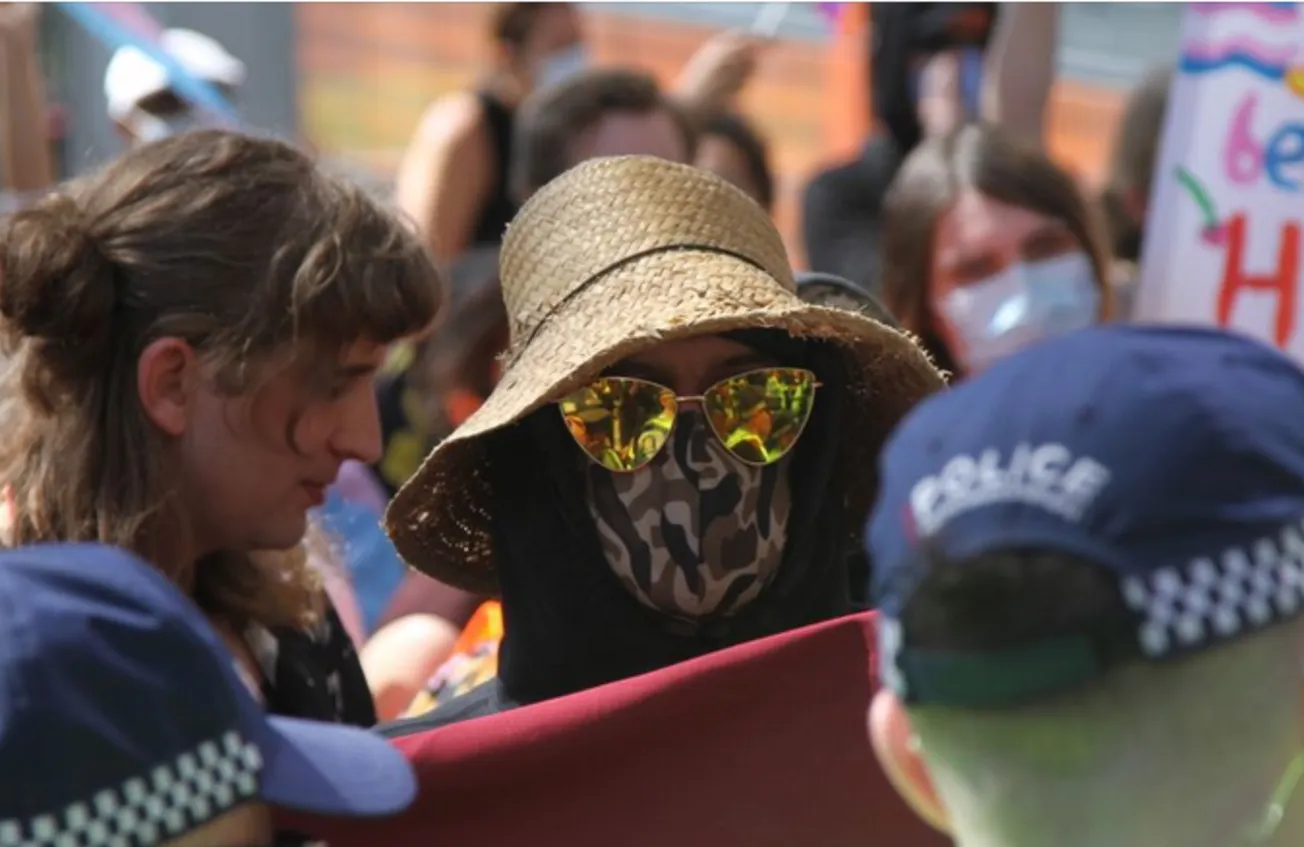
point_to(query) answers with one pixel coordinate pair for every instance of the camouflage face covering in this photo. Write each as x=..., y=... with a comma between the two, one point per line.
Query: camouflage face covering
x=696, y=532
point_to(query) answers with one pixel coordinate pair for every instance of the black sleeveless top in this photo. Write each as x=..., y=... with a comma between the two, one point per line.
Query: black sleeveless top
x=499, y=208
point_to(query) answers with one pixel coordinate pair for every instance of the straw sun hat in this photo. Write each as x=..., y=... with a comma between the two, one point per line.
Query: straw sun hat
x=614, y=257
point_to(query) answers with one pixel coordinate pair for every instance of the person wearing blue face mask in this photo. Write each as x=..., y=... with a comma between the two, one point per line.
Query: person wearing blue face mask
x=988, y=247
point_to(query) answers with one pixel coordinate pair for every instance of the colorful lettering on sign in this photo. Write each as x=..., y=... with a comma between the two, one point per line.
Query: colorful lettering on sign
x=1246, y=160
x=1284, y=281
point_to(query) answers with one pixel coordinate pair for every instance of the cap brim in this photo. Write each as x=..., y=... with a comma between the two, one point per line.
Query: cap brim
x=329, y=769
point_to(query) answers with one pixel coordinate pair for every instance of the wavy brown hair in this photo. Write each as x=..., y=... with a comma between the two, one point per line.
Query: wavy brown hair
x=1133, y=159
x=988, y=160
x=241, y=247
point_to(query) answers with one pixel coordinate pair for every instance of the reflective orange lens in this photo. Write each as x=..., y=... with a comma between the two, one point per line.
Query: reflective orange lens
x=759, y=415
x=622, y=423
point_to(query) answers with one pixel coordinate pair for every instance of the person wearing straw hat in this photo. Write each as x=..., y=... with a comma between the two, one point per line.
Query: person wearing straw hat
x=680, y=453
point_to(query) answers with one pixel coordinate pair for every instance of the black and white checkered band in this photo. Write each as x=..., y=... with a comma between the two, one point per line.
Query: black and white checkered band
x=1217, y=598
x=171, y=800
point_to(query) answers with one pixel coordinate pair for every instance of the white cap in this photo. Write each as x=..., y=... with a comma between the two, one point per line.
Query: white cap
x=132, y=76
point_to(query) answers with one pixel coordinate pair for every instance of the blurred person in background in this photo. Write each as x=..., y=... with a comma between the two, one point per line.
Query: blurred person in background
x=731, y=147
x=125, y=722
x=416, y=619
x=1126, y=198
x=842, y=205
x=453, y=180
x=28, y=165
x=934, y=66
x=191, y=339
x=431, y=385
x=988, y=246
x=1090, y=573
x=660, y=472
x=606, y=112
x=141, y=100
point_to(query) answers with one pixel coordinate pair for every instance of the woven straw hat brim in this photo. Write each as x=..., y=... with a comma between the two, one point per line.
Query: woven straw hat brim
x=440, y=519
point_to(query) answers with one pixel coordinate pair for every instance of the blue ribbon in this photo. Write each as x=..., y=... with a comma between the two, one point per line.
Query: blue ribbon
x=109, y=31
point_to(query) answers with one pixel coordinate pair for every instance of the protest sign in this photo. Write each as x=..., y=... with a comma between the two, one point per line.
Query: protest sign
x=1223, y=229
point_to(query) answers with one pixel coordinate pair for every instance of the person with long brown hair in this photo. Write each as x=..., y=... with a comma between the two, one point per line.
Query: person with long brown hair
x=191, y=338
x=989, y=246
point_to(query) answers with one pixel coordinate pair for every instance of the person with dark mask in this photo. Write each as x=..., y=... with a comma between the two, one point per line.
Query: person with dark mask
x=666, y=467
x=922, y=56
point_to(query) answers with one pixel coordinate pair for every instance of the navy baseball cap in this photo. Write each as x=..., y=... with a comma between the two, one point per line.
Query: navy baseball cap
x=123, y=719
x=1172, y=457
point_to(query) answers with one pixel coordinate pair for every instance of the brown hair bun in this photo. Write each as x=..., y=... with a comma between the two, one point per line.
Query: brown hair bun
x=56, y=284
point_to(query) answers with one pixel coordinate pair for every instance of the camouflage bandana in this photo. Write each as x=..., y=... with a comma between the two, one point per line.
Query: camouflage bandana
x=696, y=533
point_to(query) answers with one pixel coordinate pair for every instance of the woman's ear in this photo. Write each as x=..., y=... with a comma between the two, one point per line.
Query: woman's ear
x=897, y=749
x=166, y=376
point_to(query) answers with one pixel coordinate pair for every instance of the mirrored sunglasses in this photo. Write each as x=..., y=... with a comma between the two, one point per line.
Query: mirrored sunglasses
x=622, y=423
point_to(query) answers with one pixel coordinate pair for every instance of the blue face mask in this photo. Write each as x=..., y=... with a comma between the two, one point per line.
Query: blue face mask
x=1023, y=304
x=561, y=65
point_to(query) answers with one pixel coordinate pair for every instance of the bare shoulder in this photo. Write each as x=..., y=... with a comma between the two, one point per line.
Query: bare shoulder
x=455, y=118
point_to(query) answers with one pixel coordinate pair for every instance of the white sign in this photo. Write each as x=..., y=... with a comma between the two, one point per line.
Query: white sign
x=1222, y=240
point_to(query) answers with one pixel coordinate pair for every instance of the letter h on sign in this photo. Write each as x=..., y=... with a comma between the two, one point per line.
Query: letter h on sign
x=1284, y=281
